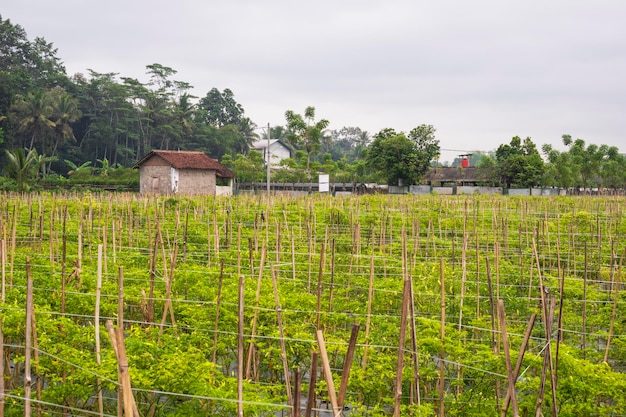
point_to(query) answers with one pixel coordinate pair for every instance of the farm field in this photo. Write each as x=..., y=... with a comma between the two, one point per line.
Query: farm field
x=413, y=305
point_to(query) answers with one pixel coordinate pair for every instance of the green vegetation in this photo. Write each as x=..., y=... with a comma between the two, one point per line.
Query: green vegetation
x=337, y=262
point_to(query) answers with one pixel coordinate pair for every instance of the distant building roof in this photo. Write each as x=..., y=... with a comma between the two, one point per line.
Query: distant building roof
x=188, y=160
x=452, y=174
x=262, y=143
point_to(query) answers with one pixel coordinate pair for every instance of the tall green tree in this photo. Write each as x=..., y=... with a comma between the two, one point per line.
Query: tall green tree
x=394, y=156
x=519, y=163
x=305, y=132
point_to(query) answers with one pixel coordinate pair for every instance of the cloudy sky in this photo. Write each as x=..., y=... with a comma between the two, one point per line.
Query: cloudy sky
x=480, y=71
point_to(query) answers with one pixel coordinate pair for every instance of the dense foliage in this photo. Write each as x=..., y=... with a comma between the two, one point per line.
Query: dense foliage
x=337, y=262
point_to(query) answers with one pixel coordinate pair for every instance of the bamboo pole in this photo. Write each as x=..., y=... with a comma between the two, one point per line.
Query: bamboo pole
x=402, y=338
x=311, y=398
x=27, y=340
x=217, y=311
x=1, y=364
x=443, y=335
x=240, y=347
x=117, y=341
x=96, y=324
x=257, y=298
x=296, y=393
x=327, y=374
x=283, y=349
x=520, y=358
x=345, y=375
x=507, y=358
x=615, y=285
x=168, y=308
x=492, y=311
x=319, y=286
x=415, y=356
x=370, y=296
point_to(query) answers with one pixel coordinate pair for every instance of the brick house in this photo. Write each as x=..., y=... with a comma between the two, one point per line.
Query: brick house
x=181, y=172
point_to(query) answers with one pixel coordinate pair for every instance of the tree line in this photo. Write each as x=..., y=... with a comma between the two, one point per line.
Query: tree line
x=55, y=126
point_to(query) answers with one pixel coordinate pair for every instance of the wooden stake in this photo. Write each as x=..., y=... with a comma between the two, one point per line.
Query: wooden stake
x=27, y=340
x=319, y=286
x=327, y=374
x=257, y=298
x=507, y=358
x=311, y=399
x=443, y=335
x=345, y=375
x=520, y=358
x=240, y=348
x=283, y=350
x=370, y=296
x=402, y=338
x=217, y=312
x=96, y=324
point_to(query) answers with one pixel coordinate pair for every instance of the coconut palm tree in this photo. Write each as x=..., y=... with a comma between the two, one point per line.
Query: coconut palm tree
x=21, y=165
x=33, y=116
x=65, y=112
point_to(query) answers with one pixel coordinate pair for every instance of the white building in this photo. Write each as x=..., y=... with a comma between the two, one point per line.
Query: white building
x=277, y=151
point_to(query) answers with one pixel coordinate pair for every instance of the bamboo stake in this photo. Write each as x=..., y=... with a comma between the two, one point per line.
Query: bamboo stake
x=240, y=348
x=319, y=285
x=345, y=375
x=507, y=358
x=548, y=327
x=492, y=311
x=583, y=342
x=416, y=370
x=370, y=296
x=311, y=398
x=293, y=255
x=283, y=349
x=332, y=275
x=128, y=400
x=327, y=373
x=36, y=358
x=217, y=312
x=168, y=308
x=27, y=340
x=296, y=393
x=443, y=335
x=520, y=358
x=615, y=285
x=402, y=338
x=96, y=324
x=251, y=346
x=1, y=364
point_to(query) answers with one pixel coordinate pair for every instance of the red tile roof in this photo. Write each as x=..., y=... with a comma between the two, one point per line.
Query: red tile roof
x=189, y=160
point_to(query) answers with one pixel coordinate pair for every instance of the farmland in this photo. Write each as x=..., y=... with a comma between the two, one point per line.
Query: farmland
x=414, y=306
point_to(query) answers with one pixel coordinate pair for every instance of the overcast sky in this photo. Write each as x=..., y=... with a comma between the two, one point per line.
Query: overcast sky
x=480, y=71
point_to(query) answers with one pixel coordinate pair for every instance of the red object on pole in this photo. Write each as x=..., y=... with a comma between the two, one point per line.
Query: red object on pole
x=465, y=163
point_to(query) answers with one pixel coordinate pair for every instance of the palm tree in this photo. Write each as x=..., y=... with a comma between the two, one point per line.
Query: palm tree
x=21, y=166
x=33, y=114
x=65, y=112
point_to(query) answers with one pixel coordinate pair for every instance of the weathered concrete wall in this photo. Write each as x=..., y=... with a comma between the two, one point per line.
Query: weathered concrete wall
x=478, y=190
x=443, y=190
x=419, y=189
x=519, y=191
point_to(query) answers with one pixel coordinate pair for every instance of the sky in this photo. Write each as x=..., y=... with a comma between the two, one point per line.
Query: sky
x=481, y=71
